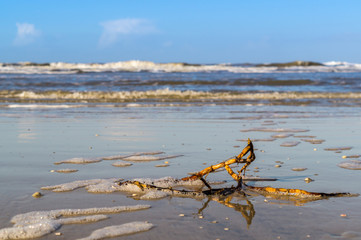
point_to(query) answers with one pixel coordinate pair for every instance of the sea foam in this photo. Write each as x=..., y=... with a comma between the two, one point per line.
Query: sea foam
x=351, y=164
x=119, y=230
x=39, y=223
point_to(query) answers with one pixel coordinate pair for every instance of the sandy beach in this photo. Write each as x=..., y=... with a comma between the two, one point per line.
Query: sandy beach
x=34, y=139
x=179, y=120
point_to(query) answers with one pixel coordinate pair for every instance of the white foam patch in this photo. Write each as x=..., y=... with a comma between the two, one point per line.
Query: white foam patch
x=264, y=129
x=146, y=158
x=31, y=231
x=115, y=157
x=351, y=164
x=39, y=223
x=152, y=195
x=107, y=186
x=79, y=161
x=290, y=144
x=80, y=184
x=121, y=164
x=112, y=185
x=119, y=230
x=167, y=182
x=281, y=135
x=304, y=136
x=313, y=141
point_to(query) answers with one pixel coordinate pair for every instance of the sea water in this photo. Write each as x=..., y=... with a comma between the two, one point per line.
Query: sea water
x=86, y=117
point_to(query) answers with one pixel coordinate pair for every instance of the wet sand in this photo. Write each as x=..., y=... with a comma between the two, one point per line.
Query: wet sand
x=33, y=140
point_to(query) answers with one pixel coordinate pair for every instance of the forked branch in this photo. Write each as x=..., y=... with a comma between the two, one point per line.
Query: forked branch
x=238, y=159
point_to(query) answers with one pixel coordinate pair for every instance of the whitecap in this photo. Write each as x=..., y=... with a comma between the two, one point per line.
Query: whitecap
x=137, y=66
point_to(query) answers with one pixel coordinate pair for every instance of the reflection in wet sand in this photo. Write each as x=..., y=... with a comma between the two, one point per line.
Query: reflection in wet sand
x=247, y=210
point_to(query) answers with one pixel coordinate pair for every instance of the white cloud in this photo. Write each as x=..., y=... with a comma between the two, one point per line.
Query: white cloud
x=115, y=29
x=27, y=33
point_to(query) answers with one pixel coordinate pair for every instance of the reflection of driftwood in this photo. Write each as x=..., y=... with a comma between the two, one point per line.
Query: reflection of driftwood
x=247, y=210
x=223, y=196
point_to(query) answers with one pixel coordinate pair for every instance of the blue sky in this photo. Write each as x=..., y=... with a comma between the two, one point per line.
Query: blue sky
x=180, y=31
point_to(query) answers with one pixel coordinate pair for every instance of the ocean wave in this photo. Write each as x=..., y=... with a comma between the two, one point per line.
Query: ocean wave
x=138, y=66
x=165, y=95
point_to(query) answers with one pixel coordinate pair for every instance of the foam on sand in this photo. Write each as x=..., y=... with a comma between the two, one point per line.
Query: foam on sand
x=39, y=223
x=351, y=164
x=80, y=184
x=119, y=230
x=290, y=144
x=146, y=158
x=264, y=129
x=116, y=157
x=281, y=135
x=79, y=161
x=115, y=185
x=135, y=157
x=153, y=195
x=313, y=140
x=121, y=164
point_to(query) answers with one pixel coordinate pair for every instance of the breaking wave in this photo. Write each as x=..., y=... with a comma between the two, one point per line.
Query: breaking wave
x=171, y=96
x=138, y=66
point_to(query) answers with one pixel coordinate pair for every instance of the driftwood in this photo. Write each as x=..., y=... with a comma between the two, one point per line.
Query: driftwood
x=238, y=159
x=241, y=187
x=240, y=191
